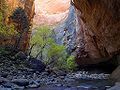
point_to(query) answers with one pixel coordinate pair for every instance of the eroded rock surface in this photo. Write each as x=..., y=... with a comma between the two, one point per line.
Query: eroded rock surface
x=50, y=12
x=98, y=30
x=65, y=32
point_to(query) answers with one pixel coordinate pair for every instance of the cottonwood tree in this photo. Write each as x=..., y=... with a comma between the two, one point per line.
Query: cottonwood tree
x=45, y=48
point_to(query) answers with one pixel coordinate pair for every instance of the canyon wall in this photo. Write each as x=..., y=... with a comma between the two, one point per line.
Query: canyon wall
x=50, y=12
x=98, y=30
x=29, y=7
x=66, y=31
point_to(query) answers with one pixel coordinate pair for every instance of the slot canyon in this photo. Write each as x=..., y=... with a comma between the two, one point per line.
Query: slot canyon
x=60, y=44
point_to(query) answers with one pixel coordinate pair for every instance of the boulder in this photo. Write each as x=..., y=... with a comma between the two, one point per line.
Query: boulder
x=21, y=82
x=115, y=76
x=21, y=55
x=115, y=87
x=36, y=64
x=3, y=80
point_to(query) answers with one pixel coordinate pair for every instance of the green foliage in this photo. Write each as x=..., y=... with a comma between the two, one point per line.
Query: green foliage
x=52, y=54
x=46, y=48
x=5, y=30
x=41, y=41
x=41, y=37
x=71, y=65
x=57, y=53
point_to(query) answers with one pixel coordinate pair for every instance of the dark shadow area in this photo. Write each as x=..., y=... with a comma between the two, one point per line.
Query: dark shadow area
x=107, y=67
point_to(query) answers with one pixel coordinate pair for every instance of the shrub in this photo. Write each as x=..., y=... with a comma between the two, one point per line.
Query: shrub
x=71, y=64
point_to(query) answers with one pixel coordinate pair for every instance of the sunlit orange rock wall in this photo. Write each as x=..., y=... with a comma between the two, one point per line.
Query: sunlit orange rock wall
x=28, y=6
x=98, y=30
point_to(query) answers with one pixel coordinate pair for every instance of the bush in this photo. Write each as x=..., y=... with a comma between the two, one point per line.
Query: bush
x=71, y=64
x=57, y=54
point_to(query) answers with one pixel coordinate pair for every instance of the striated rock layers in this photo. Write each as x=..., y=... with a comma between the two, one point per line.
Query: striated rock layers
x=28, y=6
x=98, y=30
x=50, y=12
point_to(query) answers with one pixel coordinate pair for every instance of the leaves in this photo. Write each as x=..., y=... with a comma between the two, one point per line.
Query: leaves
x=48, y=49
x=5, y=30
x=71, y=65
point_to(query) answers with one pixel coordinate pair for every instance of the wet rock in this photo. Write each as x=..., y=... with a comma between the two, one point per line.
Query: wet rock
x=116, y=87
x=59, y=85
x=21, y=55
x=2, y=88
x=21, y=82
x=13, y=86
x=3, y=80
x=60, y=73
x=87, y=87
x=36, y=64
x=33, y=84
x=4, y=75
x=116, y=74
x=8, y=85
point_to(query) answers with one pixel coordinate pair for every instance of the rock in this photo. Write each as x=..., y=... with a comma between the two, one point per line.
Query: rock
x=98, y=34
x=8, y=85
x=36, y=64
x=88, y=87
x=115, y=87
x=1, y=88
x=12, y=86
x=45, y=73
x=29, y=7
x=50, y=15
x=3, y=80
x=21, y=55
x=65, y=33
x=4, y=75
x=60, y=73
x=116, y=74
x=21, y=82
x=58, y=85
x=34, y=84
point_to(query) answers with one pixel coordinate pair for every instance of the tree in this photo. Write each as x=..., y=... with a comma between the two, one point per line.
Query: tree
x=45, y=48
x=19, y=17
x=41, y=40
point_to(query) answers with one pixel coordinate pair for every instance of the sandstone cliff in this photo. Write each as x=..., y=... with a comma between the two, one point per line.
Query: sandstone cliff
x=28, y=6
x=50, y=12
x=98, y=30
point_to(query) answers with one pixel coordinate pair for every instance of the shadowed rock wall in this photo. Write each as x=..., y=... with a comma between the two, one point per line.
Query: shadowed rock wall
x=98, y=30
